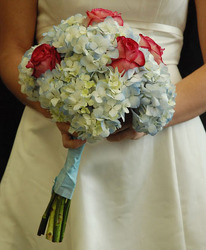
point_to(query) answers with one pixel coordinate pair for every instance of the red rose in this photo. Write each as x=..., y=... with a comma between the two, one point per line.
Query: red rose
x=98, y=15
x=129, y=55
x=44, y=57
x=147, y=43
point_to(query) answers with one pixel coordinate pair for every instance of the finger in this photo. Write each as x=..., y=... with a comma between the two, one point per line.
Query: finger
x=124, y=135
x=63, y=126
x=125, y=124
x=69, y=142
x=138, y=135
x=121, y=135
x=123, y=127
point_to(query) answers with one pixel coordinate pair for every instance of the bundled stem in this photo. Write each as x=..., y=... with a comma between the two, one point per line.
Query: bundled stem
x=65, y=216
x=55, y=216
x=58, y=219
x=45, y=217
x=49, y=233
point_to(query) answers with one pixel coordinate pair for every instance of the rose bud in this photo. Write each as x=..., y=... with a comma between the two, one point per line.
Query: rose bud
x=147, y=43
x=44, y=57
x=129, y=55
x=98, y=15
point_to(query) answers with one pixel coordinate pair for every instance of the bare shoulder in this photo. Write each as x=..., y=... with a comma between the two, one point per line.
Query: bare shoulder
x=17, y=23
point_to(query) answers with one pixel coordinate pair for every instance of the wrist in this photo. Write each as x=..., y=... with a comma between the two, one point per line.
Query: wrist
x=36, y=106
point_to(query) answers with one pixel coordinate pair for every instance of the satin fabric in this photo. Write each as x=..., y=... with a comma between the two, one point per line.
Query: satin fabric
x=146, y=194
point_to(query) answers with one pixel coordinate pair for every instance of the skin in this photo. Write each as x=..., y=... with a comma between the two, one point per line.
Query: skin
x=17, y=35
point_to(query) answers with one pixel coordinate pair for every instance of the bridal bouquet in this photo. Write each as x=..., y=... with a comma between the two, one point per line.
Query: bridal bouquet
x=91, y=71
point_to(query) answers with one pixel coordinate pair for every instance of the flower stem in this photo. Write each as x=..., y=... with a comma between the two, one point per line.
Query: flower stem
x=50, y=228
x=45, y=217
x=58, y=218
x=65, y=216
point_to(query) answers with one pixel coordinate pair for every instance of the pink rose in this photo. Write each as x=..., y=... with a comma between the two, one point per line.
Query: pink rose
x=147, y=43
x=129, y=55
x=98, y=15
x=44, y=57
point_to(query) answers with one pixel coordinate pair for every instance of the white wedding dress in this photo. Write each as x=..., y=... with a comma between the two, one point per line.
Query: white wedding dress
x=147, y=194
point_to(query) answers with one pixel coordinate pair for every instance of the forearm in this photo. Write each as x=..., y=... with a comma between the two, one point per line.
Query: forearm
x=16, y=36
x=191, y=97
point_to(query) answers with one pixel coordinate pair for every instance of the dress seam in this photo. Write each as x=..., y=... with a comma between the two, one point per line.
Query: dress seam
x=179, y=196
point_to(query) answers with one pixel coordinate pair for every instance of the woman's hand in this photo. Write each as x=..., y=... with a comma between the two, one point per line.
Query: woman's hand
x=68, y=139
x=126, y=132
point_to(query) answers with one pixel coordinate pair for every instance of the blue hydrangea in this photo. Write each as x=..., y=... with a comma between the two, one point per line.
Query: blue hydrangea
x=92, y=96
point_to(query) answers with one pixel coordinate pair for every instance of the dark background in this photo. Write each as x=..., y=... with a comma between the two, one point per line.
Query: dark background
x=11, y=109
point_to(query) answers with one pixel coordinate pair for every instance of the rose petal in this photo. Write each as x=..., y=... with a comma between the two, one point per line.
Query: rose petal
x=121, y=47
x=144, y=43
x=98, y=15
x=44, y=57
x=147, y=43
x=129, y=49
x=123, y=65
x=29, y=65
x=119, y=20
x=157, y=57
x=42, y=67
x=140, y=59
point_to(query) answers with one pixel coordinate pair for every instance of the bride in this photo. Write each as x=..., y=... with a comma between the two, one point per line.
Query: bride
x=134, y=192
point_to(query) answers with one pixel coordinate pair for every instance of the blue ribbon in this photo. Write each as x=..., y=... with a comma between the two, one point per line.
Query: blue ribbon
x=65, y=182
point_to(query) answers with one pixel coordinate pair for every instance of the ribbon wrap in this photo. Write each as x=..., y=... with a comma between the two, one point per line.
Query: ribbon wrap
x=65, y=182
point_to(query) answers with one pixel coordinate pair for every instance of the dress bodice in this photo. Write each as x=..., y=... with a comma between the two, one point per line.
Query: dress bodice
x=164, y=20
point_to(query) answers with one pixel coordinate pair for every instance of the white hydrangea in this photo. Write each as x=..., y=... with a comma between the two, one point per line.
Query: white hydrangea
x=27, y=81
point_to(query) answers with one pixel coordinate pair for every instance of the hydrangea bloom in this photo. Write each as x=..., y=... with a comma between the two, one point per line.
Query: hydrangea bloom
x=85, y=91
